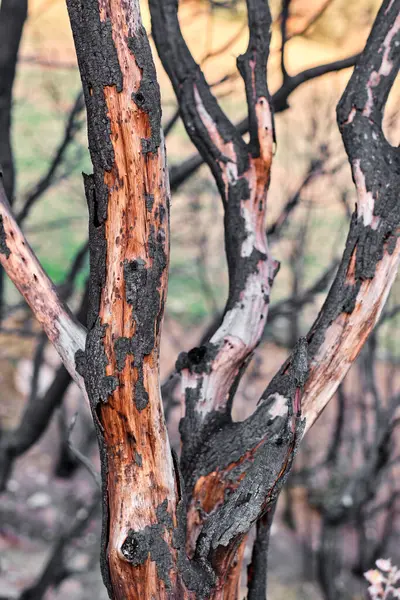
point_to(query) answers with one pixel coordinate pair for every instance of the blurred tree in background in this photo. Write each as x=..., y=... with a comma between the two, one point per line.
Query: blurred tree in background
x=339, y=511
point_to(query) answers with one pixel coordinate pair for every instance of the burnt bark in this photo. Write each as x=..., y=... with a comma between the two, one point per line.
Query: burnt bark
x=128, y=199
x=177, y=529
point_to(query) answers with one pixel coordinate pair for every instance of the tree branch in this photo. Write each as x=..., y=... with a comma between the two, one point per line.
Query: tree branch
x=13, y=15
x=72, y=125
x=128, y=199
x=21, y=265
x=37, y=414
x=371, y=256
x=211, y=373
x=179, y=174
x=284, y=20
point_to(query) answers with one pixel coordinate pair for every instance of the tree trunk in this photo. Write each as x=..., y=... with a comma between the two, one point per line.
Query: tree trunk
x=177, y=529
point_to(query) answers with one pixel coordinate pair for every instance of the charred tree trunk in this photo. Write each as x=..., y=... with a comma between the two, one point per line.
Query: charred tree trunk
x=128, y=198
x=178, y=529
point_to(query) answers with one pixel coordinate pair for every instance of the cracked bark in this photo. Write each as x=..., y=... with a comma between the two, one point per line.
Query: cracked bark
x=128, y=198
x=170, y=529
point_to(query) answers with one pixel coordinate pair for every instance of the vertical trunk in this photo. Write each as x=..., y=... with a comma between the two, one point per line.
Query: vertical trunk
x=128, y=197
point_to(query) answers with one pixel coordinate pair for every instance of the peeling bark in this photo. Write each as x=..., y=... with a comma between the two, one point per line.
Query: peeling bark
x=371, y=257
x=177, y=529
x=128, y=198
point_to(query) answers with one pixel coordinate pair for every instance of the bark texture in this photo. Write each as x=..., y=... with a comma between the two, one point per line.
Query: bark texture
x=128, y=199
x=176, y=529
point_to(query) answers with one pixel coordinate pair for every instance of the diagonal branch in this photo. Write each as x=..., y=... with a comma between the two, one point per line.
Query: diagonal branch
x=371, y=257
x=370, y=260
x=21, y=265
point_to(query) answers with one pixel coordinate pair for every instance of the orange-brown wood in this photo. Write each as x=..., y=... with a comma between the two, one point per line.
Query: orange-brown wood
x=140, y=469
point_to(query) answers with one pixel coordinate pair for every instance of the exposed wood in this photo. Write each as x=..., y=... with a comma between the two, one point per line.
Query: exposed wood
x=21, y=265
x=371, y=257
x=128, y=198
x=175, y=530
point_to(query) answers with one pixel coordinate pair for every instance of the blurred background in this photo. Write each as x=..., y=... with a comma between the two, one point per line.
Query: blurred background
x=340, y=511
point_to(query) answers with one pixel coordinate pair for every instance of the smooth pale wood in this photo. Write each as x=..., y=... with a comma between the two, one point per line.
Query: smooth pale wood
x=21, y=265
x=240, y=331
x=346, y=336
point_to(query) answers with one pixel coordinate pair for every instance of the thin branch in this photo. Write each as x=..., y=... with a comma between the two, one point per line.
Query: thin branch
x=55, y=569
x=37, y=414
x=315, y=169
x=72, y=126
x=179, y=174
x=287, y=306
x=13, y=14
x=49, y=64
x=258, y=567
x=337, y=436
x=84, y=460
x=171, y=123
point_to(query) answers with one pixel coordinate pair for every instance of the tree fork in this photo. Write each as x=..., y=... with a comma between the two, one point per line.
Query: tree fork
x=168, y=535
